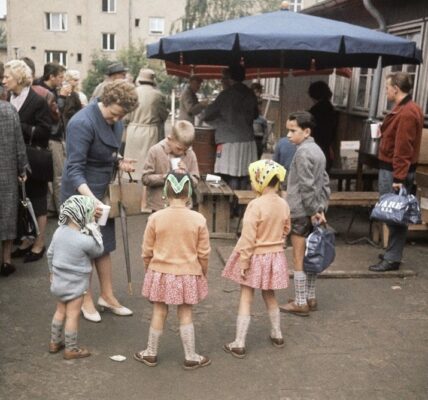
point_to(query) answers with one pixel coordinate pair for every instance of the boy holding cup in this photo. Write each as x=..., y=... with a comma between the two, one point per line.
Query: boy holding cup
x=171, y=154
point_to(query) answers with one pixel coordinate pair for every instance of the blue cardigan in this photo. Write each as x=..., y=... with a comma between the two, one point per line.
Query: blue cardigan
x=92, y=146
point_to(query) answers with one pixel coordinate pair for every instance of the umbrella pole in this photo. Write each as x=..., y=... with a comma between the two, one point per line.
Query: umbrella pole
x=281, y=94
x=172, y=107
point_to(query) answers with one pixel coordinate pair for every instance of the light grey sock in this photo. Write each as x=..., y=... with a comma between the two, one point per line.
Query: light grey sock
x=71, y=340
x=275, y=321
x=242, y=324
x=152, y=343
x=310, y=285
x=300, y=288
x=57, y=329
x=187, y=334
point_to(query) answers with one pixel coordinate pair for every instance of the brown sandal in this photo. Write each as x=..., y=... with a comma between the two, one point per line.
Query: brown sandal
x=238, y=352
x=188, y=365
x=150, y=361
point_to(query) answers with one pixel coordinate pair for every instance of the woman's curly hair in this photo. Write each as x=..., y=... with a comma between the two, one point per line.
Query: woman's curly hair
x=121, y=93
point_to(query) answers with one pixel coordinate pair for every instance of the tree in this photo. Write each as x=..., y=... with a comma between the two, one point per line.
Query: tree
x=134, y=57
x=96, y=74
x=204, y=12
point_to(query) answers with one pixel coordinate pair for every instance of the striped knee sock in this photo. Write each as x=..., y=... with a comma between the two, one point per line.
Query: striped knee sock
x=242, y=324
x=310, y=285
x=57, y=329
x=152, y=343
x=300, y=287
x=187, y=334
x=275, y=321
x=71, y=340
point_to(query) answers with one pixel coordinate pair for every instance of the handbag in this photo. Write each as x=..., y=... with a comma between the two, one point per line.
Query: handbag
x=396, y=208
x=320, y=250
x=125, y=193
x=41, y=162
x=27, y=221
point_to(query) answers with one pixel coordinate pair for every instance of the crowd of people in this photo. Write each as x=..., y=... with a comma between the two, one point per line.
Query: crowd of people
x=122, y=130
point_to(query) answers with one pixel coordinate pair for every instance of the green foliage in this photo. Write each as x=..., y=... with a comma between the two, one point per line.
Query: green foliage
x=96, y=74
x=204, y=12
x=134, y=57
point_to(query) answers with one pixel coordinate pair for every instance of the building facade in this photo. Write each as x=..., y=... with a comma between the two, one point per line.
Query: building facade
x=69, y=32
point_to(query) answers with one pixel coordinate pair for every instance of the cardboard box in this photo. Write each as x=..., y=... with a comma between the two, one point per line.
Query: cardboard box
x=423, y=153
x=349, y=154
x=421, y=176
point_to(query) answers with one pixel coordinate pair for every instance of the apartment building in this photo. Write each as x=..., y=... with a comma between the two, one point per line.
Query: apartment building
x=69, y=32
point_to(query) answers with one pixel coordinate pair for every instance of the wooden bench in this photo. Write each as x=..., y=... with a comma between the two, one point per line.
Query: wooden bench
x=214, y=204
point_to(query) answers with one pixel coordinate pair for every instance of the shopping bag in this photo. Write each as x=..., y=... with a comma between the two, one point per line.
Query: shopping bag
x=320, y=250
x=27, y=221
x=126, y=192
x=413, y=213
x=392, y=208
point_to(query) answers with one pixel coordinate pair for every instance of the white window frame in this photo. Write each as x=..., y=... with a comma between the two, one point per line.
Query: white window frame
x=62, y=21
x=296, y=5
x=109, y=37
x=341, y=88
x=61, y=59
x=111, y=6
x=156, y=25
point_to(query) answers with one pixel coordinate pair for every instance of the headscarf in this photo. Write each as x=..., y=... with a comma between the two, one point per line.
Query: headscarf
x=177, y=183
x=81, y=210
x=262, y=171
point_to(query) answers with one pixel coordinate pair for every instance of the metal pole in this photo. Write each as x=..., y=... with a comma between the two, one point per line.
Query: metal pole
x=281, y=94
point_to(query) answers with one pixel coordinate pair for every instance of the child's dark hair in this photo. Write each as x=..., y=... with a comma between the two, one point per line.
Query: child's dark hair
x=273, y=182
x=184, y=194
x=304, y=119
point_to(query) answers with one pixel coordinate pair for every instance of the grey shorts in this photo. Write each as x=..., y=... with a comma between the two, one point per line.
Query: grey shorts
x=301, y=226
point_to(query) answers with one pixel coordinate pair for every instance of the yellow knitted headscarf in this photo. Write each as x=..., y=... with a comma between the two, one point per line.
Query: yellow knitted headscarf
x=262, y=172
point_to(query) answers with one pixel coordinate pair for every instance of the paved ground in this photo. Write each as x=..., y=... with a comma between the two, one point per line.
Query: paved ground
x=368, y=340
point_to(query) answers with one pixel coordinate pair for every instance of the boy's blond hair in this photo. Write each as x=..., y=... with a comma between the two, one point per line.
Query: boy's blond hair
x=184, y=132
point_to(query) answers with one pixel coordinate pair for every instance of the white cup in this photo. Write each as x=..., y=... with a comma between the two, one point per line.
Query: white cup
x=103, y=219
x=375, y=130
x=174, y=163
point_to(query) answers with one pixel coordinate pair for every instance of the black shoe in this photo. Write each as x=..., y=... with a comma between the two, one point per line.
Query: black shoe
x=21, y=252
x=31, y=256
x=6, y=269
x=384, y=266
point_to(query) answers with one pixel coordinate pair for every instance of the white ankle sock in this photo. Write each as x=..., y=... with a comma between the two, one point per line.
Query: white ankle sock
x=300, y=288
x=187, y=334
x=275, y=321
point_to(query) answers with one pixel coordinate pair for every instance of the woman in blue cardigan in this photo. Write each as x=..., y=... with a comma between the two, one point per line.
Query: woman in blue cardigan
x=93, y=140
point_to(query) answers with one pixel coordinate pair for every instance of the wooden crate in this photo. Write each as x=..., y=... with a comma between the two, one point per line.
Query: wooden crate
x=214, y=204
x=423, y=152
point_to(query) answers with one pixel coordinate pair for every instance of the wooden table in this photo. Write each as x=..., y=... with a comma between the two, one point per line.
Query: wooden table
x=348, y=175
x=214, y=204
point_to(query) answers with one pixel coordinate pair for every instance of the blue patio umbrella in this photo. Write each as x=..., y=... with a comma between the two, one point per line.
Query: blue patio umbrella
x=287, y=39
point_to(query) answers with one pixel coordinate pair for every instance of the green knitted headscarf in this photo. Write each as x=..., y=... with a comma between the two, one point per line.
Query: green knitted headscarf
x=177, y=182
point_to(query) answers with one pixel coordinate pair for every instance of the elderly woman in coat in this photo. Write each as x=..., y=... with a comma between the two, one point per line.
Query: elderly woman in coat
x=13, y=162
x=35, y=119
x=93, y=140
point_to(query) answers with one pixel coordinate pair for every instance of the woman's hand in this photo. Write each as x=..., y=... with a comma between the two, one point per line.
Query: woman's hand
x=126, y=164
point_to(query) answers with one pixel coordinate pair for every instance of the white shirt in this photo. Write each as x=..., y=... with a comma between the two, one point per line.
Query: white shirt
x=18, y=101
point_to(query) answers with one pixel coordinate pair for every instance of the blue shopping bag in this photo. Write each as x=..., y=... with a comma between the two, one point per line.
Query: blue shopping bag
x=320, y=250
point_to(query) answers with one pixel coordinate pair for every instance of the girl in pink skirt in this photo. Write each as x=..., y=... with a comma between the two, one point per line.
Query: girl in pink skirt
x=258, y=259
x=176, y=248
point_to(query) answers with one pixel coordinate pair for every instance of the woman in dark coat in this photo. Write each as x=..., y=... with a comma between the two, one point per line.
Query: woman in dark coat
x=35, y=121
x=13, y=163
x=325, y=119
x=93, y=139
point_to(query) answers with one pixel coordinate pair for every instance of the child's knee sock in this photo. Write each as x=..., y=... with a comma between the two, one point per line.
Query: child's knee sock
x=187, y=334
x=152, y=342
x=242, y=324
x=310, y=285
x=275, y=321
x=300, y=287
x=71, y=340
x=57, y=329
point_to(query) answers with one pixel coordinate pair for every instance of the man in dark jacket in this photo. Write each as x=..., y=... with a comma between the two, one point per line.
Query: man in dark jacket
x=398, y=154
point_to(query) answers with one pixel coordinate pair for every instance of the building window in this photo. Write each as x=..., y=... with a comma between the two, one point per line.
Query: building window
x=156, y=26
x=363, y=89
x=56, y=21
x=109, y=6
x=79, y=19
x=340, y=89
x=79, y=57
x=137, y=22
x=296, y=5
x=109, y=41
x=56, y=56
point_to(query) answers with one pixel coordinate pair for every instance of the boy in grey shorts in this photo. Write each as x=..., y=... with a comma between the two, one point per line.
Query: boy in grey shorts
x=308, y=192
